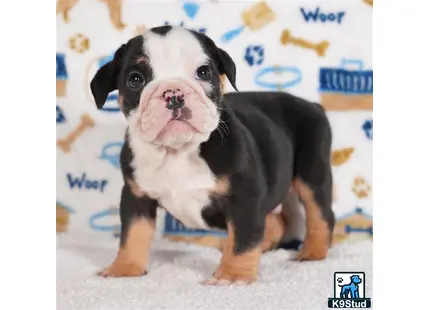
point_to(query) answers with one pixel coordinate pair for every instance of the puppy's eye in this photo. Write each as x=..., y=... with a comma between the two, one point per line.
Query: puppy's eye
x=135, y=80
x=204, y=73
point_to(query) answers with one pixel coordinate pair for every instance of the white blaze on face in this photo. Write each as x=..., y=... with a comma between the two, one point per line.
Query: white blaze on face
x=174, y=59
x=175, y=55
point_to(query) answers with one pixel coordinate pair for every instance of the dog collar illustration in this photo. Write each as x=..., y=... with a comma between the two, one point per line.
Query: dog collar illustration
x=111, y=152
x=294, y=80
x=95, y=219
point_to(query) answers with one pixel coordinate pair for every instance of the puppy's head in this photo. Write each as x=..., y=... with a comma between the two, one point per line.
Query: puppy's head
x=169, y=84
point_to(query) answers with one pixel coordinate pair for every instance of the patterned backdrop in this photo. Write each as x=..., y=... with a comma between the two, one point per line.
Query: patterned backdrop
x=320, y=50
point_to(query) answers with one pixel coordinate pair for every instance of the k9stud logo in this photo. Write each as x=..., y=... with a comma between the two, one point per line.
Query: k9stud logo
x=349, y=291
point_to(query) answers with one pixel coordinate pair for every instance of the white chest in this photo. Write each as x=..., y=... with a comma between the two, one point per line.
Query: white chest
x=181, y=183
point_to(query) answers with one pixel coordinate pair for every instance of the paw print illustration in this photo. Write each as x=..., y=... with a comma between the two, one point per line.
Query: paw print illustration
x=368, y=128
x=361, y=188
x=254, y=55
x=79, y=43
x=339, y=280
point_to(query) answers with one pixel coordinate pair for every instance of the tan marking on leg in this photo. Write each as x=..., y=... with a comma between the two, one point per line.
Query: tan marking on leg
x=275, y=229
x=133, y=257
x=135, y=190
x=240, y=268
x=317, y=240
x=222, y=187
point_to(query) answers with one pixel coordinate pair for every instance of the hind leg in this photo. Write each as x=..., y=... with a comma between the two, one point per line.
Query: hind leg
x=274, y=231
x=293, y=210
x=314, y=185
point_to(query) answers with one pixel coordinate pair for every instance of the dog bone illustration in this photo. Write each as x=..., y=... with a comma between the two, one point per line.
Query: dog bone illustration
x=140, y=29
x=86, y=121
x=64, y=6
x=115, y=7
x=339, y=157
x=319, y=48
x=369, y=2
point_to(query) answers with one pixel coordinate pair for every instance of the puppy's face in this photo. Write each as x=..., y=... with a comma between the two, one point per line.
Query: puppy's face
x=169, y=85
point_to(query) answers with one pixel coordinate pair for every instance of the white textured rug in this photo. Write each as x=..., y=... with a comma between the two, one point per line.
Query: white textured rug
x=176, y=269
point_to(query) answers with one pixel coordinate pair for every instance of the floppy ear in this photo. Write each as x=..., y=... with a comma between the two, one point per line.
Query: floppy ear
x=106, y=78
x=227, y=67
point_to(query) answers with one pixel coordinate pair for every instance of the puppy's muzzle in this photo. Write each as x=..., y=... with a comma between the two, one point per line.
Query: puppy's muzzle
x=175, y=110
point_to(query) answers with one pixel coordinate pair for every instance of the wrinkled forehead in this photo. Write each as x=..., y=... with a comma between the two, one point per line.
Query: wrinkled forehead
x=174, y=53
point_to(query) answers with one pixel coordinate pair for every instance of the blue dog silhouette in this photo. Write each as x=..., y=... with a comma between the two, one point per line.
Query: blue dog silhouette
x=351, y=289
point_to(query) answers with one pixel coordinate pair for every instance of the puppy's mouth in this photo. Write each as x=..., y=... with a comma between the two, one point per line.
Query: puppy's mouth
x=176, y=131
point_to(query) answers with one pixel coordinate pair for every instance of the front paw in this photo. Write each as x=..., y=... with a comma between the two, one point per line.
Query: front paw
x=224, y=276
x=123, y=269
x=315, y=251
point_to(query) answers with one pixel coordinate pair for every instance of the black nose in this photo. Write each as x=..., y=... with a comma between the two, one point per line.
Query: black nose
x=175, y=103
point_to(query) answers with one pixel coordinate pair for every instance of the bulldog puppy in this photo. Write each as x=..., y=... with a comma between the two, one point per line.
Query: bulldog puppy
x=213, y=161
